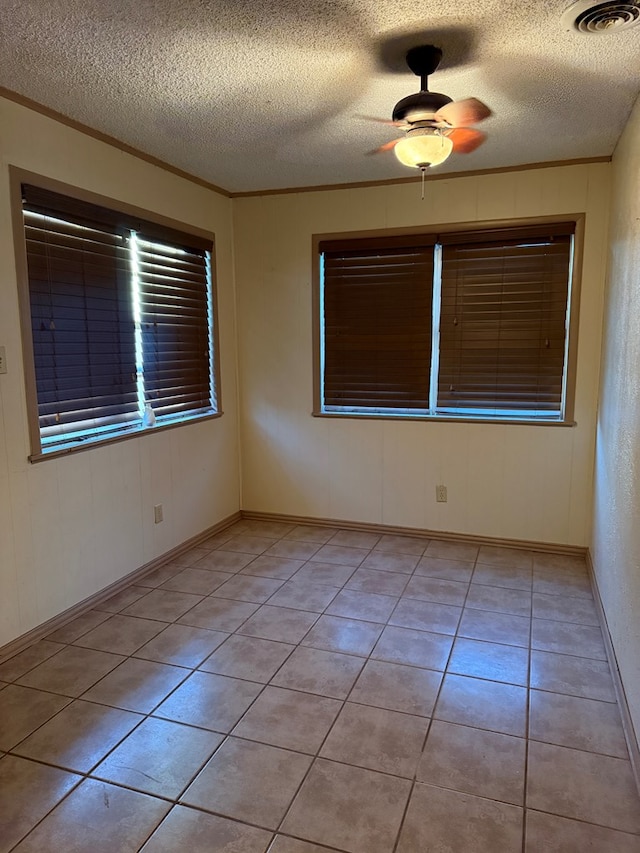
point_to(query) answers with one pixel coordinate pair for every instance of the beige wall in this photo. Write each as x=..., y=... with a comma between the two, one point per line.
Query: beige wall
x=510, y=481
x=615, y=546
x=71, y=526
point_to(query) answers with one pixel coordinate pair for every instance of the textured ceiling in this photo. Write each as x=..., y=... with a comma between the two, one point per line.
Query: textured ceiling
x=262, y=95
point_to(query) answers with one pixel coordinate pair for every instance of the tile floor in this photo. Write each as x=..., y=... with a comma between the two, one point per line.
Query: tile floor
x=306, y=690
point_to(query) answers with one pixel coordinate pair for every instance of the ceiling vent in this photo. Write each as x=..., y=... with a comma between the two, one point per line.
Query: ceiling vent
x=591, y=18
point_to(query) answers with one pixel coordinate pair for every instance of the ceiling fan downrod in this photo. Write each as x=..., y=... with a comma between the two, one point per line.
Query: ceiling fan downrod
x=423, y=61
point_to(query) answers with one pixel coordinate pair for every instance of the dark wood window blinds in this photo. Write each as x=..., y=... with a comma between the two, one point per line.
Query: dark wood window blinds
x=503, y=321
x=498, y=304
x=120, y=315
x=175, y=328
x=81, y=323
x=377, y=325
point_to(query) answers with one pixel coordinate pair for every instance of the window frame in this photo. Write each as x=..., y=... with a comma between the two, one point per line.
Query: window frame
x=567, y=420
x=17, y=177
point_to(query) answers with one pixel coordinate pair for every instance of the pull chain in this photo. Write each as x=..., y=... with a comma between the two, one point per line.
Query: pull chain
x=423, y=170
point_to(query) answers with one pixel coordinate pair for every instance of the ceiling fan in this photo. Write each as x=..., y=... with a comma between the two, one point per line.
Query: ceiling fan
x=434, y=124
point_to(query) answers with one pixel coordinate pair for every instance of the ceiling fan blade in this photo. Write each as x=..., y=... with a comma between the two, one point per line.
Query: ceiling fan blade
x=388, y=146
x=386, y=121
x=466, y=139
x=463, y=113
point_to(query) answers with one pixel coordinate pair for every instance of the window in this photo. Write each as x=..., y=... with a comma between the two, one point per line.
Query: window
x=121, y=316
x=457, y=325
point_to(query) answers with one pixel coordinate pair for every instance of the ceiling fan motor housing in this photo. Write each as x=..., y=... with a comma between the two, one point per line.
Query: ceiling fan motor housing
x=419, y=107
x=424, y=59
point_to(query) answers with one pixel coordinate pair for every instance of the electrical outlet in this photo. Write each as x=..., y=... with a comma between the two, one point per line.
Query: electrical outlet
x=3, y=360
x=157, y=513
x=441, y=494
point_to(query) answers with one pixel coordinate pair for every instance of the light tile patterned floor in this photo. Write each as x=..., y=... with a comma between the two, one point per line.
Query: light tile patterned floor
x=299, y=689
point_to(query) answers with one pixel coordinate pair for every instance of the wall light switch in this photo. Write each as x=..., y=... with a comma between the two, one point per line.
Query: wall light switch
x=157, y=513
x=3, y=360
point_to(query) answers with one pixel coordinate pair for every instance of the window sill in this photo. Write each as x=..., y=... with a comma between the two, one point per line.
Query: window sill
x=89, y=443
x=446, y=419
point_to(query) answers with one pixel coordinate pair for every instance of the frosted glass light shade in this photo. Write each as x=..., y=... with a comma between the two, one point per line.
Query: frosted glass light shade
x=423, y=149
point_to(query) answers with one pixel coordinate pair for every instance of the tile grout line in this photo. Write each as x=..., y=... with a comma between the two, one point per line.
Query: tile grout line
x=316, y=755
x=330, y=729
x=431, y=718
x=525, y=771
x=54, y=806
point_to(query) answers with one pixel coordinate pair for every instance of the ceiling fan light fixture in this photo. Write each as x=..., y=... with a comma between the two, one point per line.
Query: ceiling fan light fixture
x=423, y=147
